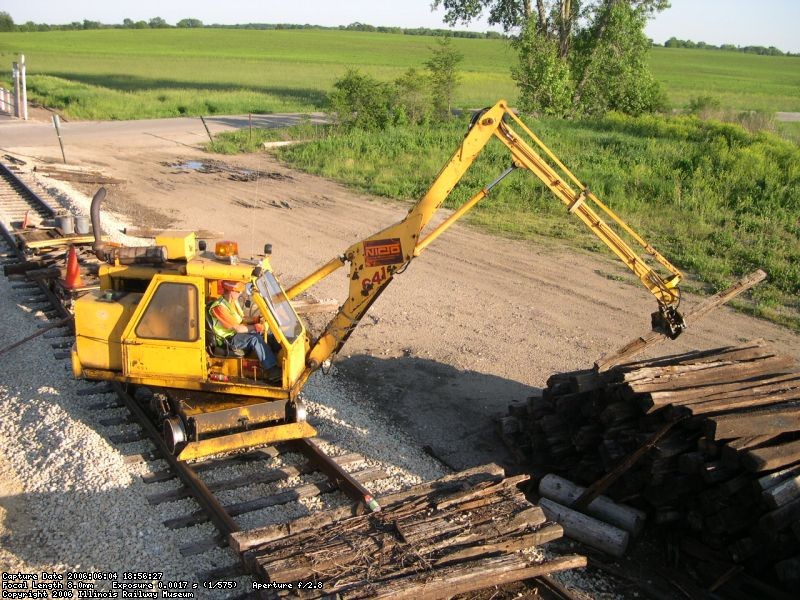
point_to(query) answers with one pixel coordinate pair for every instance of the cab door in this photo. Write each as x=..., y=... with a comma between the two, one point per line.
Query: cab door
x=165, y=337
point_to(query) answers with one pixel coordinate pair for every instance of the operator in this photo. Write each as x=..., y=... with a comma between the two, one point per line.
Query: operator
x=243, y=333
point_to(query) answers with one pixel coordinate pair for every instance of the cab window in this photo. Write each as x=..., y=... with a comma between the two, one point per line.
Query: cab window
x=171, y=314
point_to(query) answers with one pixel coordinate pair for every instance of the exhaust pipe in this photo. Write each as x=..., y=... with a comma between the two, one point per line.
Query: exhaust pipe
x=99, y=245
x=153, y=255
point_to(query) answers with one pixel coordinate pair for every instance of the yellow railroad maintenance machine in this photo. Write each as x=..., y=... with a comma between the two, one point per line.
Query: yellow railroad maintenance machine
x=147, y=324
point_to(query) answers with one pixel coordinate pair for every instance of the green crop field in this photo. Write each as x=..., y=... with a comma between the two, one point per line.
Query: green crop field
x=127, y=74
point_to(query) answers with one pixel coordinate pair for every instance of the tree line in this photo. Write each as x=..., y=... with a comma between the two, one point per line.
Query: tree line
x=7, y=24
x=674, y=42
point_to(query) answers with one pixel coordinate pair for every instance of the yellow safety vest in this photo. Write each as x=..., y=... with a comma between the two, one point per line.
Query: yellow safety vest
x=220, y=331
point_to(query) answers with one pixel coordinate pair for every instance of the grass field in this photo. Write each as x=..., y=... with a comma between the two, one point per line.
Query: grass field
x=126, y=74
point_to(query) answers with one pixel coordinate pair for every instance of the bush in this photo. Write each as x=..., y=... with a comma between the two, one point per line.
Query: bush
x=361, y=101
x=413, y=102
x=702, y=106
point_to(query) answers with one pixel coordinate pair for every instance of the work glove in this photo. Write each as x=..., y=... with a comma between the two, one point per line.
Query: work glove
x=259, y=327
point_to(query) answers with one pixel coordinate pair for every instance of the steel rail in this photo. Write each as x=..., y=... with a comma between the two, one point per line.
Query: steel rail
x=36, y=201
x=204, y=497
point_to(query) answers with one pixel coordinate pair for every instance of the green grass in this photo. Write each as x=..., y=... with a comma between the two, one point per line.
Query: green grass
x=127, y=74
x=718, y=201
x=739, y=81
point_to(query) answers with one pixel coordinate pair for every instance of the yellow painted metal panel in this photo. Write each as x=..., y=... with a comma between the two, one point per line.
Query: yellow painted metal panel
x=247, y=439
x=179, y=244
x=100, y=319
x=149, y=357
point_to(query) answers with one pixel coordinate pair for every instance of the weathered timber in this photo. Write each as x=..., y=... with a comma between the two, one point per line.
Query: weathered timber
x=547, y=533
x=266, y=476
x=731, y=449
x=782, y=493
x=773, y=479
x=441, y=534
x=43, y=274
x=753, y=423
x=588, y=530
x=77, y=173
x=772, y=457
x=728, y=405
x=737, y=388
x=638, y=345
x=566, y=493
x=243, y=541
x=464, y=578
x=308, y=490
x=708, y=374
x=602, y=484
x=325, y=552
x=781, y=517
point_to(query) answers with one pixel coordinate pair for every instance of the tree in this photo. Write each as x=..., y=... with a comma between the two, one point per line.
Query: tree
x=413, y=97
x=190, y=23
x=542, y=77
x=573, y=30
x=127, y=23
x=610, y=68
x=444, y=77
x=6, y=22
x=158, y=23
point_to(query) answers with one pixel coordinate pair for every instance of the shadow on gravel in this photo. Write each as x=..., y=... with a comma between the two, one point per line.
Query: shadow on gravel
x=451, y=412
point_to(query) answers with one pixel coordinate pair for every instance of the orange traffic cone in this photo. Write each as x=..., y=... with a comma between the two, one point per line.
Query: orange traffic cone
x=73, y=279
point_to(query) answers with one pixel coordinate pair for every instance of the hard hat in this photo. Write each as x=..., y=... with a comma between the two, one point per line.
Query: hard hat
x=233, y=286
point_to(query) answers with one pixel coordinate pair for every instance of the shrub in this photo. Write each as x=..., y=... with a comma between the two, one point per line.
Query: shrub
x=361, y=101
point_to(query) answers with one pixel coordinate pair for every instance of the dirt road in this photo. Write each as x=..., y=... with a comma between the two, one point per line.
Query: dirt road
x=476, y=323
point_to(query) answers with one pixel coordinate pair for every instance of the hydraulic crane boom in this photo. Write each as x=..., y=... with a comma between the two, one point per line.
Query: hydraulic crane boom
x=375, y=260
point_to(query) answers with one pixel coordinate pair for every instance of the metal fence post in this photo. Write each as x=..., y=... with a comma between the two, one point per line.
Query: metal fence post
x=24, y=87
x=15, y=76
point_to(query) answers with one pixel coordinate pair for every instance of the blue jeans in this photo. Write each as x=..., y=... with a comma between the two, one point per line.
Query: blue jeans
x=253, y=342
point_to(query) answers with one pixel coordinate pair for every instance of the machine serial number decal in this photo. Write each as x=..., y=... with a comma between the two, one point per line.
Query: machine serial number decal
x=383, y=252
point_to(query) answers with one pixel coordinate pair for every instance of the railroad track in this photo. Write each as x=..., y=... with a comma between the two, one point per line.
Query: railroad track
x=17, y=199
x=33, y=260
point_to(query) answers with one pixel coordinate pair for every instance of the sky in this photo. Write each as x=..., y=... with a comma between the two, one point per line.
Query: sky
x=738, y=22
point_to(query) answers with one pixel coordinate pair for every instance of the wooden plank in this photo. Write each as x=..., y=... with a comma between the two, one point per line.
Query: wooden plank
x=462, y=579
x=783, y=493
x=781, y=517
x=566, y=493
x=772, y=479
x=245, y=540
x=602, y=484
x=772, y=457
x=76, y=240
x=721, y=406
x=710, y=373
x=638, y=345
x=753, y=423
x=587, y=530
x=714, y=391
